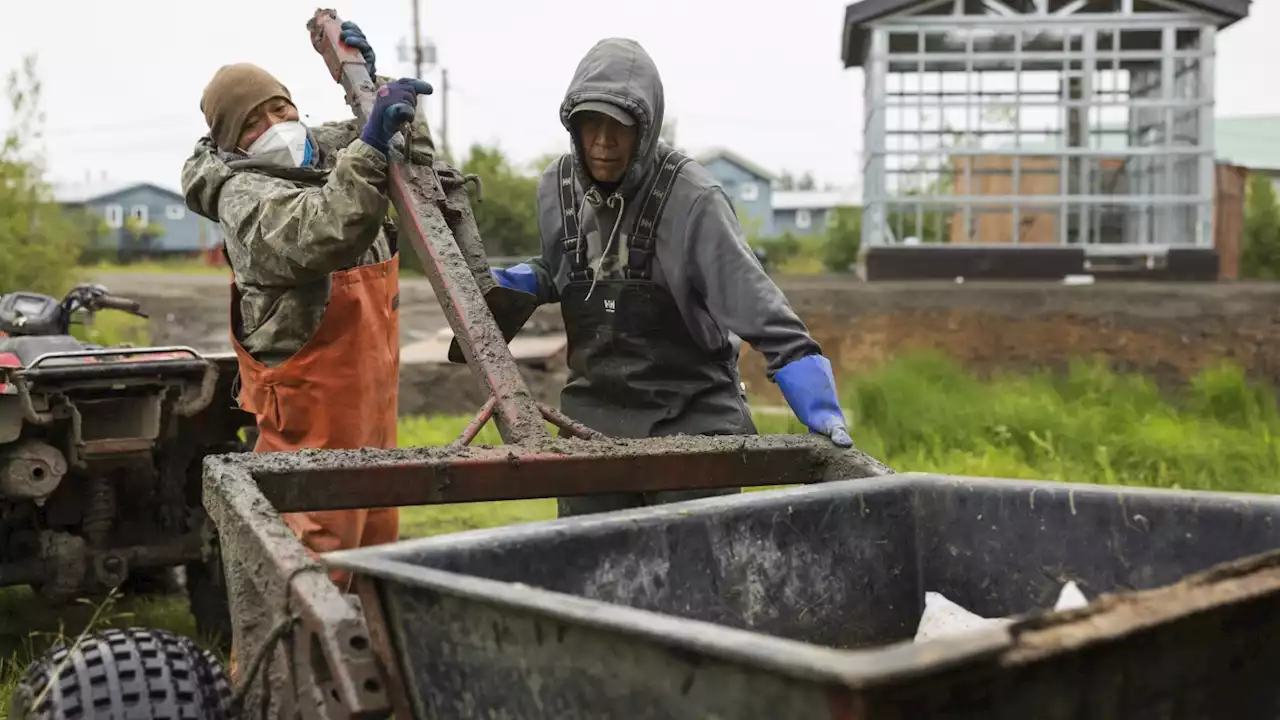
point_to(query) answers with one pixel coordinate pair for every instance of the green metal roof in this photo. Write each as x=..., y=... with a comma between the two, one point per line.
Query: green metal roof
x=1253, y=142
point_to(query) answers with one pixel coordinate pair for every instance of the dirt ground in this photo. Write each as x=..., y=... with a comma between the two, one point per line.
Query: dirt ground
x=1167, y=330
x=192, y=310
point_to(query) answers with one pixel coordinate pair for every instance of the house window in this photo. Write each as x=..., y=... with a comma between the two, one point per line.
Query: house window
x=175, y=212
x=139, y=213
x=114, y=215
x=749, y=191
x=803, y=219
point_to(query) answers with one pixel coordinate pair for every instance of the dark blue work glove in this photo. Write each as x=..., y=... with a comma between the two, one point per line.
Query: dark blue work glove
x=517, y=277
x=393, y=106
x=810, y=390
x=352, y=35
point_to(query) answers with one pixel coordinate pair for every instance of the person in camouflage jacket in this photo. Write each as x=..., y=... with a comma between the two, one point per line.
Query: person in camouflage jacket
x=315, y=288
x=283, y=242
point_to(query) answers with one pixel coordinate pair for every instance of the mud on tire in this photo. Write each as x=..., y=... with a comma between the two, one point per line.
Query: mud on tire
x=135, y=673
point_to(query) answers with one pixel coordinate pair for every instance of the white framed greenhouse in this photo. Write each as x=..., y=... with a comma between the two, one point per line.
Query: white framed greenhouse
x=1038, y=122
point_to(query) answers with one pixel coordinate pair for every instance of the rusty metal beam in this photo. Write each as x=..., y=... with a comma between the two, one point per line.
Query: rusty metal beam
x=477, y=424
x=337, y=479
x=330, y=655
x=417, y=196
x=570, y=428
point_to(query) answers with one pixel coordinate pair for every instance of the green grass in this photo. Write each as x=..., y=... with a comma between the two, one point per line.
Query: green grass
x=924, y=413
x=110, y=328
x=920, y=413
x=797, y=256
x=28, y=627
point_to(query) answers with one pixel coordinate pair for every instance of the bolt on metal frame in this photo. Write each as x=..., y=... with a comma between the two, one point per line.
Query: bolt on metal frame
x=1076, y=123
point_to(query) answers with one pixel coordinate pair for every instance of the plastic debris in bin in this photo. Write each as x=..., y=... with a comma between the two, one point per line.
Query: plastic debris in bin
x=943, y=618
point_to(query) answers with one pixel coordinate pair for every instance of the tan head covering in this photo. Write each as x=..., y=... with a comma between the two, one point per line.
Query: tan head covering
x=231, y=95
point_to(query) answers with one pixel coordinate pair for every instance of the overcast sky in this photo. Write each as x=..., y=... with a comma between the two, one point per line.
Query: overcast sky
x=122, y=79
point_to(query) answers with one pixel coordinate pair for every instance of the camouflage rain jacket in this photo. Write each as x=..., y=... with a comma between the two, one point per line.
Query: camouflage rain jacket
x=287, y=229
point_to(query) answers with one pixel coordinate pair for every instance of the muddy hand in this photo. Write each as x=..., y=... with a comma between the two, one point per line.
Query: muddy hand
x=840, y=436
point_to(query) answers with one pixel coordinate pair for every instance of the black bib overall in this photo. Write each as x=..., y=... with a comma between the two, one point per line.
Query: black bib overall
x=635, y=369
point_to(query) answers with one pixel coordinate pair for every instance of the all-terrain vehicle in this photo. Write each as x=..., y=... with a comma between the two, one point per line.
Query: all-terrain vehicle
x=100, y=455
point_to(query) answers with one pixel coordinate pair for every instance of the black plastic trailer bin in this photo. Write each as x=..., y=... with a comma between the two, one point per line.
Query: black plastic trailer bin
x=802, y=602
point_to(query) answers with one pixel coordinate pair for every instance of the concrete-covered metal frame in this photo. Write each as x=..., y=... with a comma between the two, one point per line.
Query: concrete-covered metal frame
x=1039, y=122
x=318, y=648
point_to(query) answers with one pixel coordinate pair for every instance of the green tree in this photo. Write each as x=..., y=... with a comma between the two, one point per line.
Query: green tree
x=1260, y=251
x=139, y=238
x=507, y=216
x=539, y=164
x=39, y=243
x=844, y=239
x=752, y=228
x=668, y=132
x=783, y=248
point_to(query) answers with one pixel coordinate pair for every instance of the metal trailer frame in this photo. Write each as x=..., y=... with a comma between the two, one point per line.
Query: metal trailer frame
x=1105, y=105
x=304, y=648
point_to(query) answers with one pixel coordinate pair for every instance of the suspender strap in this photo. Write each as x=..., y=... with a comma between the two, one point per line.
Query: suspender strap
x=641, y=244
x=575, y=246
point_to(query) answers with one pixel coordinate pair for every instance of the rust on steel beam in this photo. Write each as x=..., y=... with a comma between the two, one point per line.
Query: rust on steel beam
x=477, y=424
x=340, y=479
x=418, y=196
x=565, y=423
x=328, y=654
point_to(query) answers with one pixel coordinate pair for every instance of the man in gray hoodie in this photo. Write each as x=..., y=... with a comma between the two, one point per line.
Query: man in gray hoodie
x=643, y=251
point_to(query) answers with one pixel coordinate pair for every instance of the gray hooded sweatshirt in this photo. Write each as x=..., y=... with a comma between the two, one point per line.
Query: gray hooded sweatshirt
x=702, y=258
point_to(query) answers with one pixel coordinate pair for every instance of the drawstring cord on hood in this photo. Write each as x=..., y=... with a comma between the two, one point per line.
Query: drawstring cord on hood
x=593, y=196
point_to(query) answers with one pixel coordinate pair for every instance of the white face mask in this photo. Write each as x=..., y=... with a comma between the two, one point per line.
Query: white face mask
x=284, y=143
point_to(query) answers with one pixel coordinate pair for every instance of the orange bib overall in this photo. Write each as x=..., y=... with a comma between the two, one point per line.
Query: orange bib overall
x=338, y=392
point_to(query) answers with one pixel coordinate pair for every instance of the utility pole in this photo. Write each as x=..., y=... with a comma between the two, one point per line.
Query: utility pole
x=420, y=61
x=417, y=42
x=444, y=112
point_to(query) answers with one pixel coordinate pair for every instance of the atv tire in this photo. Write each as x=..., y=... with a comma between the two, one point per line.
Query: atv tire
x=135, y=673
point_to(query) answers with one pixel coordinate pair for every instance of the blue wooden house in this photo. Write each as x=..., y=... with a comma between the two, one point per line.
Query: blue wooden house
x=180, y=231
x=807, y=212
x=748, y=185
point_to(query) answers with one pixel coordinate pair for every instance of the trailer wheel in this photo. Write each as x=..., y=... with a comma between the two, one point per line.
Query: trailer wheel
x=135, y=673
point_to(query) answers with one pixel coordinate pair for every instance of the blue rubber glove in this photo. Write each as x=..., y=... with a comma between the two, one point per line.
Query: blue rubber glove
x=352, y=35
x=517, y=277
x=810, y=390
x=394, y=105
